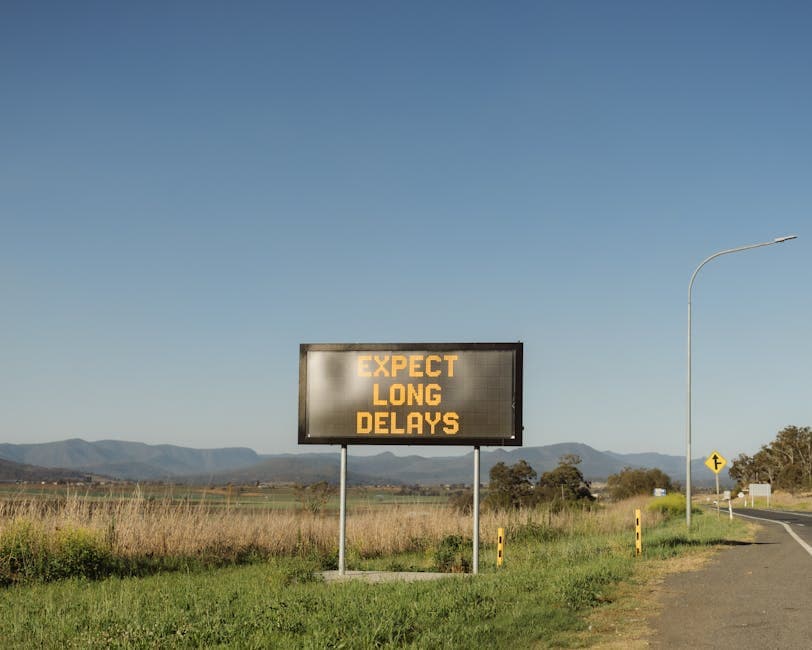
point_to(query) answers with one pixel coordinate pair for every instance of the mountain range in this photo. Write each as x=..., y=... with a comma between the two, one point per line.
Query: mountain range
x=129, y=460
x=137, y=461
x=11, y=471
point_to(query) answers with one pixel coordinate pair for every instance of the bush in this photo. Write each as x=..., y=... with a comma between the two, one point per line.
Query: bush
x=29, y=553
x=21, y=552
x=79, y=553
x=314, y=497
x=630, y=482
x=462, y=501
x=453, y=554
x=298, y=571
x=671, y=505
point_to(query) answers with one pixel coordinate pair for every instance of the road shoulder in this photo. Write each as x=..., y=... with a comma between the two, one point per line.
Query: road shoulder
x=747, y=596
x=625, y=622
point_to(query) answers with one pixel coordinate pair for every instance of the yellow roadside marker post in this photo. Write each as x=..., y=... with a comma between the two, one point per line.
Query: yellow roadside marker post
x=638, y=537
x=500, y=546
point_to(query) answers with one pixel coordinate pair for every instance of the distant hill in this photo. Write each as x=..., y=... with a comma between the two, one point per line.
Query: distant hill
x=292, y=468
x=139, y=461
x=674, y=466
x=387, y=468
x=11, y=472
x=129, y=460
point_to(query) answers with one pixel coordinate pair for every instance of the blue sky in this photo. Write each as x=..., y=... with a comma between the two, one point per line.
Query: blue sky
x=190, y=190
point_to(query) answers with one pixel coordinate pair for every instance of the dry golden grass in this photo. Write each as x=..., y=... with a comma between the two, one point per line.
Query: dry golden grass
x=800, y=501
x=139, y=526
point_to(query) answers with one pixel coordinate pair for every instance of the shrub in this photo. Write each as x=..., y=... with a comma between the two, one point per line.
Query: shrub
x=630, y=482
x=453, y=554
x=77, y=552
x=298, y=571
x=671, y=505
x=314, y=497
x=462, y=501
x=21, y=552
x=30, y=553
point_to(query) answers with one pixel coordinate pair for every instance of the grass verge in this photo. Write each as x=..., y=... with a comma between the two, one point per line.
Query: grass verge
x=544, y=596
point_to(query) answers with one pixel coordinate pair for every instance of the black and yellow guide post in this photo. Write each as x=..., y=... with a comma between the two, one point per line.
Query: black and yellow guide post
x=638, y=533
x=500, y=546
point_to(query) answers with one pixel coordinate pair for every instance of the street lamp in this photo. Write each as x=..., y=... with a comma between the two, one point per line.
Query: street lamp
x=777, y=240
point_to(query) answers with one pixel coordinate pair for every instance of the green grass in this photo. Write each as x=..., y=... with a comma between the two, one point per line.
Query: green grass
x=269, y=606
x=540, y=598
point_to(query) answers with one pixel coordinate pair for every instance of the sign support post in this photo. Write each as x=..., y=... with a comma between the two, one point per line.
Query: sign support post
x=761, y=490
x=342, y=512
x=475, y=560
x=717, y=494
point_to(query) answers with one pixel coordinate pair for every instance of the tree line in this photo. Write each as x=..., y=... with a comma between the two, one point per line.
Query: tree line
x=516, y=486
x=519, y=485
x=785, y=463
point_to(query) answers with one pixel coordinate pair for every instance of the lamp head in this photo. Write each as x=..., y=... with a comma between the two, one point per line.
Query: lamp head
x=778, y=240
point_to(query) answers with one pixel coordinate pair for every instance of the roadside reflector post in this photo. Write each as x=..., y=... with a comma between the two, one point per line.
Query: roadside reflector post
x=638, y=538
x=500, y=546
x=730, y=509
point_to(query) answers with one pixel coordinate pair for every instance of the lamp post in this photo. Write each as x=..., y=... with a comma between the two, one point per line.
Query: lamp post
x=777, y=240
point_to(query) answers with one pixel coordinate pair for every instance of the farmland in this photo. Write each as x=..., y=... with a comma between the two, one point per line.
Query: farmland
x=202, y=568
x=274, y=497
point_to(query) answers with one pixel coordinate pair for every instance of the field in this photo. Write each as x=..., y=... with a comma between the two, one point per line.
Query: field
x=801, y=502
x=163, y=525
x=177, y=571
x=273, y=497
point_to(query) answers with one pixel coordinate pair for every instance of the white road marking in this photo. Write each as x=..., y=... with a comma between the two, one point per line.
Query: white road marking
x=790, y=512
x=786, y=526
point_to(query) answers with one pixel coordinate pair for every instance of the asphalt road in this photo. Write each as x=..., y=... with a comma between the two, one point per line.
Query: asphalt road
x=755, y=595
x=800, y=522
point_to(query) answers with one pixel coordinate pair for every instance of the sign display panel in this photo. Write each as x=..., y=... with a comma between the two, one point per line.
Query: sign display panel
x=411, y=394
x=760, y=490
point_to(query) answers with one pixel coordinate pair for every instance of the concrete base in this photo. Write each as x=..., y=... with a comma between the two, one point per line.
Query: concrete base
x=387, y=576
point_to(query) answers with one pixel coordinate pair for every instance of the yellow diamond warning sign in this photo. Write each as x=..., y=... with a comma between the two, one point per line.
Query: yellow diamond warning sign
x=715, y=462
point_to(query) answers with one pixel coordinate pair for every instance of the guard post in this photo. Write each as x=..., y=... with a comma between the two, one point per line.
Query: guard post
x=500, y=546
